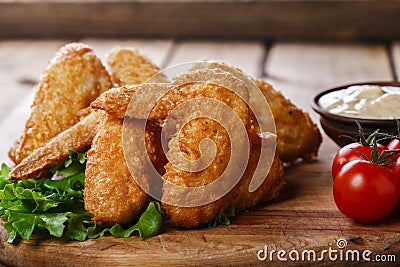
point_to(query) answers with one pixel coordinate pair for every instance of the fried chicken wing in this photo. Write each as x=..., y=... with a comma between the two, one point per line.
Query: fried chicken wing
x=209, y=168
x=129, y=67
x=117, y=100
x=79, y=137
x=73, y=79
x=273, y=183
x=111, y=193
x=298, y=136
x=161, y=102
x=269, y=188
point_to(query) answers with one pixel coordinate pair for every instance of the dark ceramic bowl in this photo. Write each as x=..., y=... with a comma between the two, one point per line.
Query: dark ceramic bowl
x=338, y=127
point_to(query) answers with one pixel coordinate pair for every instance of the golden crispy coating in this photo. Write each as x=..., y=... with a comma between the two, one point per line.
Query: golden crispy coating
x=298, y=136
x=129, y=67
x=188, y=143
x=217, y=76
x=154, y=147
x=193, y=164
x=270, y=187
x=181, y=93
x=13, y=149
x=79, y=137
x=111, y=194
x=74, y=78
x=116, y=100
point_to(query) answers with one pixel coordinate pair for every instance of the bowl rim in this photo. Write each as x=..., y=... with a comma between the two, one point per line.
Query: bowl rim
x=350, y=120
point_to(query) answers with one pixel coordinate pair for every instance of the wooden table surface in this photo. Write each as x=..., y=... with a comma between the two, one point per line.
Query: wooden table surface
x=304, y=217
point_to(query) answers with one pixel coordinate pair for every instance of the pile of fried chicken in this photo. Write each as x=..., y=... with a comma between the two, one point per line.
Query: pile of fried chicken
x=81, y=105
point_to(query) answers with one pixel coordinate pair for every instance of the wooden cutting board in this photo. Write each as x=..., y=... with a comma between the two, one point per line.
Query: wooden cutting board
x=303, y=218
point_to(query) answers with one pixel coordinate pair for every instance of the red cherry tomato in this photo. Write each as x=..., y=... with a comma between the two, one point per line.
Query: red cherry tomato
x=365, y=191
x=396, y=168
x=394, y=145
x=349, y=153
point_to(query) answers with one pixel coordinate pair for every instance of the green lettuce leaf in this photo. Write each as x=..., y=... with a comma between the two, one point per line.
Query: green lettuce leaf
x=4, y=172
x=223, y=218
x=56, y=206
x=148, y=225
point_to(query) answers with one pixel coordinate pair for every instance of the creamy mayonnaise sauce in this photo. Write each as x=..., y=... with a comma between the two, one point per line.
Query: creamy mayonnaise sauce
x=364, y=102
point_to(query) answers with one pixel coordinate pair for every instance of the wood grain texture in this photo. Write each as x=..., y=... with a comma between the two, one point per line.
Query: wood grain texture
x=248, y=56
x=300, y=70
x=395, y=54
x=304, y=19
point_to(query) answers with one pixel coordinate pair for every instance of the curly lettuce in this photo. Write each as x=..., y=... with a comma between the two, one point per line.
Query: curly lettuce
x=56, y=206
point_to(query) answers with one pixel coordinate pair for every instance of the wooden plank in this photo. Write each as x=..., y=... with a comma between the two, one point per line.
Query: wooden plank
x=156, y=50
x=307, y=68
x=304, y=19
x=395, y=53
x=245, y=55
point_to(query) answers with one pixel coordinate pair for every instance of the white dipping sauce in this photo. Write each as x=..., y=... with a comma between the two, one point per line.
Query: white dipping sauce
x=364, y=102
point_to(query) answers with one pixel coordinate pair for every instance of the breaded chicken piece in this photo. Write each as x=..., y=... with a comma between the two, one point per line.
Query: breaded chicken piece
x=79, y=138
x=269, y=188
x=298, y=136
x=217, y=76
x=74, y=78
x=161, y=103
x=129, y=67
x=117, y=100
x=185, y=150
x=188, y=144
x=111, y=193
